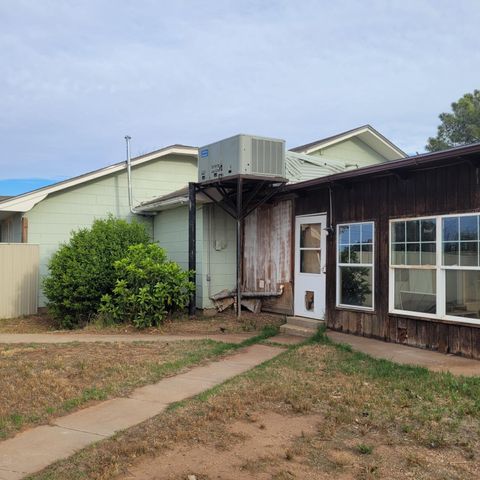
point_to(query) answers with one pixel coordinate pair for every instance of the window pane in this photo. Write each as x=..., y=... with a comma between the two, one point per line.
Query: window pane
x=469, y=228
x=398, y=254
x=355, y=254
x=344, y=254
x=413, y=254
x=310, y=261
x=344, y=234
x=450, y=229
x=310, y=235
x=398, y=231
x=367, y=256
x=413, y=231
x=355, y=233
x=428, y=231
x=469, y=254
x=356, y=286
x=367, y=233
x=462, y=294
x=415, y=290
x=428, y=256
x=450, y=253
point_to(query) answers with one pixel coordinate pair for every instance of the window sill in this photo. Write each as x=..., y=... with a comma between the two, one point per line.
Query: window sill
x=350, y=308
x=446, y=321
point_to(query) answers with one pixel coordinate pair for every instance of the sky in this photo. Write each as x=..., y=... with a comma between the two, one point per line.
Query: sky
x=77, y=76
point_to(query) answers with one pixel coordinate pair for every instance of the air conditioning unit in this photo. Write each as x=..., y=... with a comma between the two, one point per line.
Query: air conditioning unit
x=242, y=154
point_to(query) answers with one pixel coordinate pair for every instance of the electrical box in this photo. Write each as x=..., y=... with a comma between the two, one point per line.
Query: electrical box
x=244, y=155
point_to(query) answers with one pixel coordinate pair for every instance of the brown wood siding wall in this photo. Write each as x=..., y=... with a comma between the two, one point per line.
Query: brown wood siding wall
x=446, y=190
x=267, y=247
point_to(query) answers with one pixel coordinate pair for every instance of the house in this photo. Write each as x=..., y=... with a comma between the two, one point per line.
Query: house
x=390, y=251
x=216, y=230
x=47, y=216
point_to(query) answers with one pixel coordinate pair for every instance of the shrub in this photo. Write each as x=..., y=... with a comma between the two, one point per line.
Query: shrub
x=82, y=270
x=148, y=287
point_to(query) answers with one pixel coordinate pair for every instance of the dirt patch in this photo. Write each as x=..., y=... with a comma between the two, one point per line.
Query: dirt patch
x=224, y=322
x=263, y=450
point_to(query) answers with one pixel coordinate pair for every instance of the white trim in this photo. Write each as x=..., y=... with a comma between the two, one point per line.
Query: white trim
x=25, y=202
x=439, y=268
x=364, y=265
x=356, y=133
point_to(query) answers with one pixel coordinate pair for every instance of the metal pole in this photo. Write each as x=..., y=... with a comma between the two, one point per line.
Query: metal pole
x=192, y=251
x=129, y=174
x=239, y=247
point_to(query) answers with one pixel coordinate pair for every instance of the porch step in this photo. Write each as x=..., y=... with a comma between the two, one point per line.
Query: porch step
x=301, y=327
x=304, y=322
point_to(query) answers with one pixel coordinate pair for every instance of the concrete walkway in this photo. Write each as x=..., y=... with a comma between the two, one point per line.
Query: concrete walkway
x=110, y=338
x=35, y=449
x=437, y=362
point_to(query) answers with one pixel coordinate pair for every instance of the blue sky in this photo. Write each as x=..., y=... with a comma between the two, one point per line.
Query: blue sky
x=75, y=77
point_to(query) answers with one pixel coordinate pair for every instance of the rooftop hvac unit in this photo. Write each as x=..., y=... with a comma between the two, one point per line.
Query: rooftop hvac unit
x=242, y=155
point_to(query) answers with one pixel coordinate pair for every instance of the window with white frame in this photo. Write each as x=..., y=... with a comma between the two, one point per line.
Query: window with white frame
x=435, y=266
x=355, y=257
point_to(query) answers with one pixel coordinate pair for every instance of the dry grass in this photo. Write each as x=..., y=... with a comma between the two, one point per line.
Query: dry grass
x=28, y=324
x=380, y=421
x=38, y=382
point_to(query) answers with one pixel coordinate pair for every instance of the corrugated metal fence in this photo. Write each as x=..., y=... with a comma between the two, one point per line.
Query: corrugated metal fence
x=19, y=265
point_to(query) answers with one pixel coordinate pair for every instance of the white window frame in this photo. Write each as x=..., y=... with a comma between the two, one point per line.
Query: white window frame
x=367, y=265
x=438, y=267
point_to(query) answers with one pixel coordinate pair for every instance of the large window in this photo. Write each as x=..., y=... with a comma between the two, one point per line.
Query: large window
x=355, y=254
x=435, y=267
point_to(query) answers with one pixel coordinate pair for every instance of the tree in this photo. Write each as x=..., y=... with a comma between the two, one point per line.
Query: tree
x=460, y=127
x=82, y=270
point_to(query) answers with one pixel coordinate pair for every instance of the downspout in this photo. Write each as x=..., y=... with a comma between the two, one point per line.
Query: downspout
x=129, y=175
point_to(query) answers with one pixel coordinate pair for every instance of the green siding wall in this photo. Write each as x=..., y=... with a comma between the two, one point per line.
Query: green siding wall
x=352, y=151
x=216, y=247
x=52, y=220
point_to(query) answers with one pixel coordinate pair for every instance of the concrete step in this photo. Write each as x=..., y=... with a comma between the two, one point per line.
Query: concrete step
x=297, y=331
x=305, y=322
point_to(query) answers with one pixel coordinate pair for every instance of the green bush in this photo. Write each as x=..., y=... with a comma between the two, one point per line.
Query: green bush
x=82, y=270
x=148, y=288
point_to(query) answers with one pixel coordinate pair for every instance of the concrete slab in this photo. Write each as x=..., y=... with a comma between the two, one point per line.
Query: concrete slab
x=35, y=449
x=108, y=338
x=287, y=339
x=171, y=390
x=437, y=362
x=111, y=416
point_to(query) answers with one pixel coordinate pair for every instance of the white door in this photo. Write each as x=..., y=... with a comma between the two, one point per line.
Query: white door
x=310, y=257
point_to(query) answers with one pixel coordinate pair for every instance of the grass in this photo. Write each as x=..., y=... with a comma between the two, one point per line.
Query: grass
x=40, y=381
x=379, y=420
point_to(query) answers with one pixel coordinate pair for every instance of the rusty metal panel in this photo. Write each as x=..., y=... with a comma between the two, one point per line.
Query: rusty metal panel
x=19, y=265
x=267, y=254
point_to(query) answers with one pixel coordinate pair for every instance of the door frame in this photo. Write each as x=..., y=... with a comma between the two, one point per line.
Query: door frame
x=310, y=218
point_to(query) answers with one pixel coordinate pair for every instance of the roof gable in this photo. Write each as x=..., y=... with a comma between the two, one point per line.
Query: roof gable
x=26, y=201
x=365, y=133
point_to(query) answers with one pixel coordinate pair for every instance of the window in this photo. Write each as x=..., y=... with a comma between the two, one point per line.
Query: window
x=355, y=254
x=435, y=267
x=310, y=252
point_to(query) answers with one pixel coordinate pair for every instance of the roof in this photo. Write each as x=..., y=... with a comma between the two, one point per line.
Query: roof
x=299, y=167
x=5, y=197
x=435, y=159
x=366, y=133
x=24, y=202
